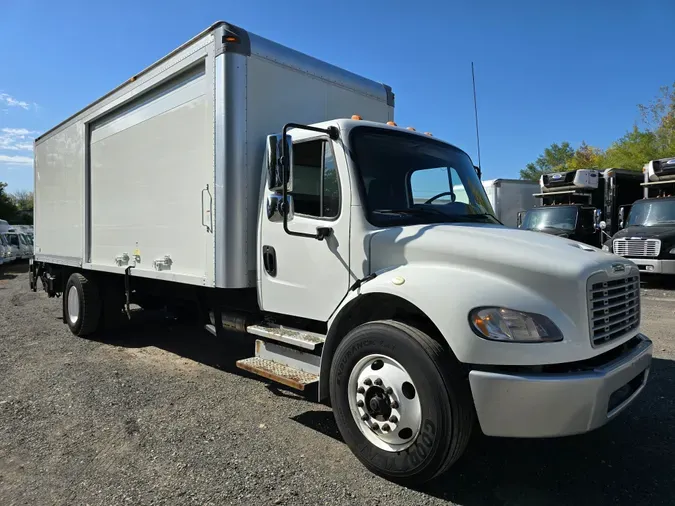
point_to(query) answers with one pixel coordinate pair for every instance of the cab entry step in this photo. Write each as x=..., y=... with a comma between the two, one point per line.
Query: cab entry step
x=280, y=373
x=295, y=337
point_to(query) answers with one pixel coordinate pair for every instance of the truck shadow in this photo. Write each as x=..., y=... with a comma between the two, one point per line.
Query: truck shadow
x=160, y=330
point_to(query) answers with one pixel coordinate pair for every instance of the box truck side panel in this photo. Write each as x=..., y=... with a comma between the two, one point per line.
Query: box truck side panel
x=151, y=170
x=59, y=196
x=299, y=95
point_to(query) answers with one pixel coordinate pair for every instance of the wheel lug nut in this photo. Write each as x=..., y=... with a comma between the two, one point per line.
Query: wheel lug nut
x=376, y=426
x=361, y=390
x=385, y=427
x=368, y=381
x=378, y=382
x=365, y=417
x=394, y=404
x=359, y=403
x=393, y=419
x=389, y=390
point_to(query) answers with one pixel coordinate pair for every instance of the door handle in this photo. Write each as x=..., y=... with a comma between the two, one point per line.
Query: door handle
x=208, y=225
x=270, y=260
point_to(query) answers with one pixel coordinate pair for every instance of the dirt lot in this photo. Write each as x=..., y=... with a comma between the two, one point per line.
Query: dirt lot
x=158, y=414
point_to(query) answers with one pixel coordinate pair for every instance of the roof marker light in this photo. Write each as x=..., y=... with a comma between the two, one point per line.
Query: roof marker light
x=411, y=129
x=391, y=123
x=357, y=117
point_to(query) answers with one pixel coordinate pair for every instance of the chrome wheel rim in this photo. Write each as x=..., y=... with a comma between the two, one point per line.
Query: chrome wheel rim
x=384, y=403
x=73, y=305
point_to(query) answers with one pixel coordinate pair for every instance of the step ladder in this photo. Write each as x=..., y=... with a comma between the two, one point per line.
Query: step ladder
x=286, y=355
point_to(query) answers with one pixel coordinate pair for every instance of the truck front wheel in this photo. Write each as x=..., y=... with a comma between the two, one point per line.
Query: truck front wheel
x=401, y=407
x=82, y=304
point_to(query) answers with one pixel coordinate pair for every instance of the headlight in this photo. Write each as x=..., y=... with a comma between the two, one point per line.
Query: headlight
x=500, y=324
x=605, y=248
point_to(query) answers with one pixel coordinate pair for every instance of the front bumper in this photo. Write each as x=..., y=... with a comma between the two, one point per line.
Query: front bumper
x=649, y=266
x=541, y=405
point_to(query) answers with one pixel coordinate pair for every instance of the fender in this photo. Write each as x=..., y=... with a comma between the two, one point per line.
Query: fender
x=446, y=294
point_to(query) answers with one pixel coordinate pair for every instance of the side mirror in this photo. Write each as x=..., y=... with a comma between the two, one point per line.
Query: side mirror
x=275, y=158
x=276, y=208
x=622, y=216
x=519, y=219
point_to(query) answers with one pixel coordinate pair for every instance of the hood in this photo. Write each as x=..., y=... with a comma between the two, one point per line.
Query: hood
x=507, y=252
x=558, y=232
x=663, y=232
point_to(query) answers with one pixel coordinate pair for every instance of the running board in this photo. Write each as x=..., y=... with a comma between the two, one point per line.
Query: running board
x=300, y=338
x=280, y=373
x=288, y=366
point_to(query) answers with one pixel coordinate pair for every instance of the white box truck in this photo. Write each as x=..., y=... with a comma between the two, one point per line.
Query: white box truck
x=224, y=177
x=510, y=197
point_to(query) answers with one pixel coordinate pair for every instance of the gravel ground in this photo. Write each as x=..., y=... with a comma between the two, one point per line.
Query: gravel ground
x=158, y=414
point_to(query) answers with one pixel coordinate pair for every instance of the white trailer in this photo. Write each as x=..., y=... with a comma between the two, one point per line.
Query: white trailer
x=510, y=197
x=364, y=258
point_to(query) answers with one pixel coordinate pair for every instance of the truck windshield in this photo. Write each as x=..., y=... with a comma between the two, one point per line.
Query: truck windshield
x=650, y=213
x=410, y=179
x=563, y=218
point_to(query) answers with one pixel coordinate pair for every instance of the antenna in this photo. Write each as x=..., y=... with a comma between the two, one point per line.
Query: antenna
x=475, y=111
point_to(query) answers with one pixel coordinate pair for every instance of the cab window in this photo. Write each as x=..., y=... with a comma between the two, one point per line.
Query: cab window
x=316, y=187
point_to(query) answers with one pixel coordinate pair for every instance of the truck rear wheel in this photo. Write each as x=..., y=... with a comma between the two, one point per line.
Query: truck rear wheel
x=401, y=408
x=82, y=304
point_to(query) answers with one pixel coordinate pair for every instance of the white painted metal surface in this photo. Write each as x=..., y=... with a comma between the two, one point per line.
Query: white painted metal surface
x=312, y=276
x=149, y=165
x=449, y=269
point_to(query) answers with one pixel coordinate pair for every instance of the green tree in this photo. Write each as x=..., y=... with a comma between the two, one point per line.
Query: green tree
x=632, y=150
x=7, y=207
x=554, y=159
x=586, y=157
x=23, y=203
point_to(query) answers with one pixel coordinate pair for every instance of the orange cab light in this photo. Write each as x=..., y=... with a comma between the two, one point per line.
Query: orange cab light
x=357, y=117
x=411, y=129
x=428, y=133
x=391, y=123
x=231, y=38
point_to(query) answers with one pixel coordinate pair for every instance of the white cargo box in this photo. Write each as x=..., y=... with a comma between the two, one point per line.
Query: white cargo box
x=163, y=173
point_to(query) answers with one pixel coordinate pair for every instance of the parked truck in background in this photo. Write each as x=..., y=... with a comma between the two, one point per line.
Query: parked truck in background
x=509, y=197
x=575, y=203
x=647, y=227
x=411, y=318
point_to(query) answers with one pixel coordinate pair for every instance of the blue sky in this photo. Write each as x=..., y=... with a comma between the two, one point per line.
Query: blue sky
x=546, y=71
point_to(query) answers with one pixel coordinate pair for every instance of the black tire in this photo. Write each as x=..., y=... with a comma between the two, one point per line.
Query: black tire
x=89, y=305
x=446, y=404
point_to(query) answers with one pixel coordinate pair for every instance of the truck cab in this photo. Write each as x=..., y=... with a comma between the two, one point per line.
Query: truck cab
x=584, y=204
x=570, y=203
x=647, y=234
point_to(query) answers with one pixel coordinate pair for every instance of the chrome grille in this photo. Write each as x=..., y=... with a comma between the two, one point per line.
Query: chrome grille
x=614, y=306
x=637, y=247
